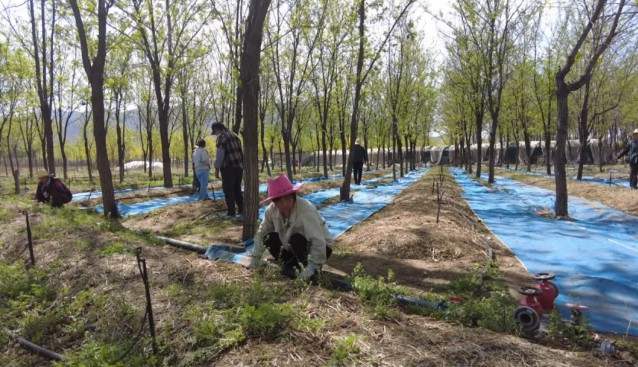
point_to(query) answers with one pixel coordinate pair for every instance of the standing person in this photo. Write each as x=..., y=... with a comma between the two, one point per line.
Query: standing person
x=360, y=156
x=229, y=160
x=201, y=164
x=632, y=150
x=293, y=231
x=52, y=191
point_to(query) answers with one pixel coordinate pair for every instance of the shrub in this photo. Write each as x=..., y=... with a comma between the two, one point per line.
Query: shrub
x=226, y=295
x=96, y=354
x=36, y=325
x=575, y=333
x=267, y=320
x=115, y=248
x=377, y=294
x=16, y=282
x=494, y=312
x=345, y=351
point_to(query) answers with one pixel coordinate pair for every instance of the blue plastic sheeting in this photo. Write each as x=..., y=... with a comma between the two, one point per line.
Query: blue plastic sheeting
x=262, y=187
x=339, y=216
x=594, y=256
x=318, y=197
x=98, y=194
x=343, y=215
x=595, y=180
x=150, y=205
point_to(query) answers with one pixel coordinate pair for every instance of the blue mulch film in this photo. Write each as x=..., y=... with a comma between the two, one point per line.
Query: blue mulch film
x=594, y=255
x=615, y=182
x=150, y=205
x=339, y=216
x=98, y=194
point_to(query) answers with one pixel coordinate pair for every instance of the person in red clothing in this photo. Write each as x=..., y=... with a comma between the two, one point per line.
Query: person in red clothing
x=52, y=191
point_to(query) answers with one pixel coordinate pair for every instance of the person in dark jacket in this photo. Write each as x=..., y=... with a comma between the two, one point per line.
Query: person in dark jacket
x=359, y=158
x=229, y=160
x=52, y=191
x=632, y=151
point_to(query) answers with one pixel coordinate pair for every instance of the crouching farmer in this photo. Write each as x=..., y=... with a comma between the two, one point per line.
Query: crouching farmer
x=293, y=231
x=52, y=191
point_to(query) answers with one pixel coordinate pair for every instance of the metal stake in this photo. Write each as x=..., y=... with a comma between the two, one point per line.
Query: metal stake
x=141, y=264
x=29, y=239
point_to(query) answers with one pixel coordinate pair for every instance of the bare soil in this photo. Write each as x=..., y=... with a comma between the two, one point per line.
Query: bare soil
x=405, y=236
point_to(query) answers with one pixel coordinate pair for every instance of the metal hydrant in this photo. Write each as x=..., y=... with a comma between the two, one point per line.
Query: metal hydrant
x=529, y=312
x=550, y=290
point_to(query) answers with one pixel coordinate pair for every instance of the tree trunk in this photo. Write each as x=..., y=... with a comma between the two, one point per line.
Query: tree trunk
x=249, y=75
x=264, y=151
x=95, y=75
x=492, y=148
x=479, y=143
x=44, y=87
x=344, y=191
x=583, y=134
x=87, y=149
x=562, y=95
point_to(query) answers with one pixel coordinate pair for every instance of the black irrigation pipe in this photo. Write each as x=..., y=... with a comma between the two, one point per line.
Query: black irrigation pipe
x=141, y=264
x=41, y=351
x=183, y=245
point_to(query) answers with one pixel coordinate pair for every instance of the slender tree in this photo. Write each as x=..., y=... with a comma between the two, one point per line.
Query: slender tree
x=93, y=61
x=360, y=78
x=564, y=88
x=249, y=75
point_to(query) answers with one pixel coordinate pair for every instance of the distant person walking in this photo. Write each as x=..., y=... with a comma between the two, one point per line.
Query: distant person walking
x=359, y=158
x=229, y=161
x=632, y=150
x=201, y=164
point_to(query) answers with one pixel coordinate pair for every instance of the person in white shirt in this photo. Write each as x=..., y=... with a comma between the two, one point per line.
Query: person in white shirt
x=293, y=231
x=202, y=168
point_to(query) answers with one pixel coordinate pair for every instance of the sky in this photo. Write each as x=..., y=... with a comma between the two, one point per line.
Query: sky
x=419, y=12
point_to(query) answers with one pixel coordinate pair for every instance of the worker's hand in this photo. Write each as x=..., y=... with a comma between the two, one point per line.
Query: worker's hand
x=216, y=173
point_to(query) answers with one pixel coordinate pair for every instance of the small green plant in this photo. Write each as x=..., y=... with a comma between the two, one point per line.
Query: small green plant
x=83, y=245
x=258, y=294
x=16, y=282
x=493, y=312
x=478, y=281
x=378, y=294
x=630, y=346
x=576, y=333
x=267, y=320
x=226, y=295
x=37, y=325
x=97, y=354
x=345, y=351
x=115, y=248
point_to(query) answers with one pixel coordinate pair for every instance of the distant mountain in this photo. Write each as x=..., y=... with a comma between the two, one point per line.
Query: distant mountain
x=76, y=123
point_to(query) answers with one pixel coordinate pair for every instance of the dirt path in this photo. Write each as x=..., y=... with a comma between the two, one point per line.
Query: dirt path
x=425, y=255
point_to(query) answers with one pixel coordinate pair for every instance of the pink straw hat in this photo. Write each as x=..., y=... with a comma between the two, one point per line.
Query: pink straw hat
x=280, y=187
